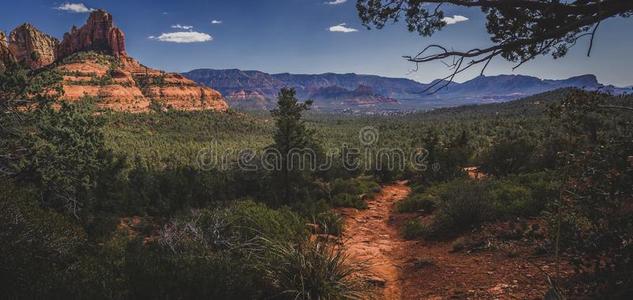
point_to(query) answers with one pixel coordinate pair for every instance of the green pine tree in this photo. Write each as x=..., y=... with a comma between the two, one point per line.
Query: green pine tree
x=291, y=135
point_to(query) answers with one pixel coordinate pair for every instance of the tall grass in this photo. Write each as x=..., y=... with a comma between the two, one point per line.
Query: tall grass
x=311, y=270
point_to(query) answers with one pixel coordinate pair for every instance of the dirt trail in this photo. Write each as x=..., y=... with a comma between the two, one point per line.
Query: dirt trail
x=402, y=269
x=374, y=242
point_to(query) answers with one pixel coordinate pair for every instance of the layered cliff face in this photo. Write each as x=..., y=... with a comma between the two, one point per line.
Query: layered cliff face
x=5, y=54
x=32, y=47
x=123, y=84
x=93, y=62
x=99, y=34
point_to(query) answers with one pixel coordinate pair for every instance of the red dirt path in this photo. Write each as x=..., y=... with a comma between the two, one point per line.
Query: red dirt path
x=402, y=269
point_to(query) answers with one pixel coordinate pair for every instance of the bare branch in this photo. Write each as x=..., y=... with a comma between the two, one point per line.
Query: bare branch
x=520, y=30
x=593, y=34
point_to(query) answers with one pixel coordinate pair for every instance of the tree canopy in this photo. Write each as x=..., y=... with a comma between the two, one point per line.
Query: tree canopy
x=520, y=30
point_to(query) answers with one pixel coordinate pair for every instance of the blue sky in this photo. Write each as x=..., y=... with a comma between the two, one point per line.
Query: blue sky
x=293, y=36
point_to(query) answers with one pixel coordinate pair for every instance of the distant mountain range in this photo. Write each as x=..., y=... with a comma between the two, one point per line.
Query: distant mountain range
x=353, y=92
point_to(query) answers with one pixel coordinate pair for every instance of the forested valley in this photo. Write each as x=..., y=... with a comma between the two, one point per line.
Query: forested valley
x=114, y=205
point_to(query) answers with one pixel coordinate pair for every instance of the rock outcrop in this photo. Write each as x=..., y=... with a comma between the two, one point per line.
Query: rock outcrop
x=32, y=47
x=5, y=54
x=93, y=63
x=99, y=34
x=123, y=84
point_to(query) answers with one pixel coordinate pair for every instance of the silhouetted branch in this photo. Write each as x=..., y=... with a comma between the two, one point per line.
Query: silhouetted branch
x=521, y=30
x=593, y=34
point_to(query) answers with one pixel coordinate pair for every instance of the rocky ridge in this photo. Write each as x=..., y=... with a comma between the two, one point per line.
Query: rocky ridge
x=32, y=47
x=5, y=53
x=99, y=34
x=94, y=63
x=123, y=84
x=370, y=93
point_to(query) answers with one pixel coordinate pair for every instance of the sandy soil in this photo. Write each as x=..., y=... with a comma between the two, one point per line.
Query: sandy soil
x=372, y=241
x=401, y=269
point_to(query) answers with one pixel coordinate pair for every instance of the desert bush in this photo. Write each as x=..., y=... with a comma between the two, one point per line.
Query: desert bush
x=237, y=225
x=509, y=199
x=414, y=229
x=385, y=170
x=592, y=218
x=329, y=223
x=463, y=204
x=212, y=253
x=39, y=246
x=67, y=160
x=510, y=156
x=348, y=186
x=524, y=195
x=349, y=200
x=544, y=188
x=417, y=202
x=311, y=270
x=251, y=219
x=353, y=192
x=222, y=254
x=157, y=273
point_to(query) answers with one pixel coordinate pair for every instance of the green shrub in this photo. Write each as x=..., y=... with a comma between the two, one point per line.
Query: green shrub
x=510, y=199
x=38, y=246
x=330, y=223
x=370, y=187
x=544, y=188
x=347, y=186
x=311, y=271
x=417, y=187
x=353, y=192
x=413, y=229
x=463, y=204
x=509, y=156
x=251, y=219
x=155, y=272
x=212, y=253
x=417, y=202
x=348, y=200
x=67, y=160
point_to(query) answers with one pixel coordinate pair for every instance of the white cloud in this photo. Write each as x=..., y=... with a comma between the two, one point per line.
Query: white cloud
x=216, y=22
x=183, y=37
x=342, y=28
x=74, y=7
x=454, y=20
x=335, y=2
x=185, y=27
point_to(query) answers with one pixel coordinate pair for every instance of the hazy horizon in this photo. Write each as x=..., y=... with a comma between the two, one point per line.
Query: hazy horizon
x=402, y=77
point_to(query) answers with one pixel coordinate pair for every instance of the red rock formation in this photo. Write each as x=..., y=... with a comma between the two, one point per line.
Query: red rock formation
x=99, y=34
x=93, y=63
x=116, y=40
x=124, y=84
x=5, y=54
x=32, y=47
